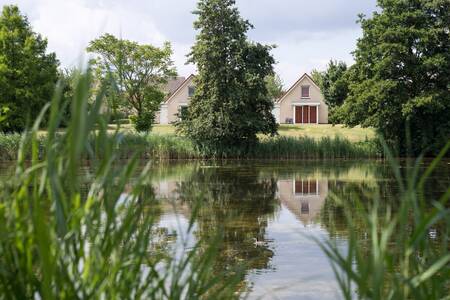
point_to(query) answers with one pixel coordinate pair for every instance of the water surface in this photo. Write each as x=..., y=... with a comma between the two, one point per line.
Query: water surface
x=267, y=213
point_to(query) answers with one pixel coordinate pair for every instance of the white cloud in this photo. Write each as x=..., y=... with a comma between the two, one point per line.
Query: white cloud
x=308, y=33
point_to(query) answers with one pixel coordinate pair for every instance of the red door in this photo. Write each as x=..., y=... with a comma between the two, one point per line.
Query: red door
x=305, y=114
x=313, y=114
x=298, y=114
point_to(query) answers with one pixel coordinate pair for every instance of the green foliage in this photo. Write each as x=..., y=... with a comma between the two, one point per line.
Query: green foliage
x=231, y=103
x=143, y=122
x=334, y=84
x=398, y=252
x=27, y=73
x=68, y=79
x=274, y=86
x=317, y=75
x=401, y=75
x=65, y=236
x=135, y=74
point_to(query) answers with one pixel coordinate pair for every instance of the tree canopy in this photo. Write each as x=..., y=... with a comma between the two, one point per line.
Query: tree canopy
x=231, y=103
x=28, y=73
x=334, y=84
x=402, y=74
x=137, y=73
x=275, y=87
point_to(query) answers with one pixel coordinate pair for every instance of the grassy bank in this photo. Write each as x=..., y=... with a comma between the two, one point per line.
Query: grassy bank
x=167, y=146
x=356, y=134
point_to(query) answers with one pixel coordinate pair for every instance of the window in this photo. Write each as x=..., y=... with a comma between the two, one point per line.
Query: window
x=182, y=112
x=306, y=187
x=305, y=91
x=191, y=91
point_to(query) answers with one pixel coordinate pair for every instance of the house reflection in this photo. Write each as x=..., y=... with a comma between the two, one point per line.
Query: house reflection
x=304, y=197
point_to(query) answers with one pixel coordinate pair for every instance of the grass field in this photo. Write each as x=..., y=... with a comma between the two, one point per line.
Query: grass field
x=313, y=131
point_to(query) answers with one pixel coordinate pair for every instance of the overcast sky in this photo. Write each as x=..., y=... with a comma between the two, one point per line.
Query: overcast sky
x=307, y=32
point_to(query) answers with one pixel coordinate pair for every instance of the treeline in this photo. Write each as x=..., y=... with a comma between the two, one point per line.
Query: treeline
x=400, y=82
x=134, y=75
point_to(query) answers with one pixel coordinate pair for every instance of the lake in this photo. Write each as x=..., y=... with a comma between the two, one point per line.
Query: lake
x=268, y=212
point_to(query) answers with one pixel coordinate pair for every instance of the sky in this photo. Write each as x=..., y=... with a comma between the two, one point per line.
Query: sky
x=307, y=33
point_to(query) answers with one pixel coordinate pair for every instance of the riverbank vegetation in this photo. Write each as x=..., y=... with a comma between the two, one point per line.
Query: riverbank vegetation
x=155, y=146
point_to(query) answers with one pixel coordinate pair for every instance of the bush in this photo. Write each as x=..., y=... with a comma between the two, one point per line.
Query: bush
x=143, y=122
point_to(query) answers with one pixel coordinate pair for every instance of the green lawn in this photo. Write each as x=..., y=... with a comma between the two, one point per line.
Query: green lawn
x=324, y=130
x=315, y=131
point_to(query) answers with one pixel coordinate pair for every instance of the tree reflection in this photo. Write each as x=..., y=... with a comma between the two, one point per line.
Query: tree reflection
x=239, y=204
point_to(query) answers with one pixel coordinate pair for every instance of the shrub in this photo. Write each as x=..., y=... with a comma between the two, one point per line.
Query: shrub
x=143, y=122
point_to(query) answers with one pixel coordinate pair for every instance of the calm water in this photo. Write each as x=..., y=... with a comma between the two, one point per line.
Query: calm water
x=281, y=205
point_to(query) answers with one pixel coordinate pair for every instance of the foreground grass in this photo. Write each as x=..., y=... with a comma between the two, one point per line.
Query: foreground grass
x=395, y=252
x=63, y=238
x=166, y=146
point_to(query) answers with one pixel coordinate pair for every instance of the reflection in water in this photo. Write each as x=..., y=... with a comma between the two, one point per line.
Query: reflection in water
x=245, y=201
x=237, y=204
x=303, y=197
x=265, y=212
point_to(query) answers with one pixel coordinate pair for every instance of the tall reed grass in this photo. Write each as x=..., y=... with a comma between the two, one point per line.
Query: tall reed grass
x=154, y=146
x=61, y=239
x=401, y=251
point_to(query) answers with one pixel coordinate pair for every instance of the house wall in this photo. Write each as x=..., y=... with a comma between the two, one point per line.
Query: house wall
x=294, y=97
x=181, y=98
x=287, y=196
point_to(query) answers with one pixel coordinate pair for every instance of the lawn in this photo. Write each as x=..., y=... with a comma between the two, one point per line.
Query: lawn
x=324, y=130
x=314, y=131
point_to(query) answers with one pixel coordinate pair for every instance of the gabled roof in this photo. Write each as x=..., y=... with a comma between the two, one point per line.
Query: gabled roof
x=185, y=82
x=295, y=85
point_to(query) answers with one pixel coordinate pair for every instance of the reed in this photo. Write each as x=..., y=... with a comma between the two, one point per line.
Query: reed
x=155, y=146
x=395, y=252
x=64, y=239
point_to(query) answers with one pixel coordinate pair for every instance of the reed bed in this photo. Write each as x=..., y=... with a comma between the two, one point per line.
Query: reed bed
x=155, y=146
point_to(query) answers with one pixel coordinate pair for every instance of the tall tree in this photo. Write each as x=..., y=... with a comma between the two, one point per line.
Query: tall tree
x=334, y=84
x=27, y=72
x=274, y=86
x=402, y=74
x=231, y=103
x=136, y=71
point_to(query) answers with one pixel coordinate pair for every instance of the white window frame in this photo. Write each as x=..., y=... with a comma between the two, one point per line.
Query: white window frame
x=189, y=88
x=309, y=92
x=303, y=194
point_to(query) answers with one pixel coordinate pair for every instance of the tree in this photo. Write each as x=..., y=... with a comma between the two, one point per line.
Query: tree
x=274, y=86
x=402, y=74
x=334, y=84
x=137, y=72
x=317, y=75
x=231, y=103
x=28, y=74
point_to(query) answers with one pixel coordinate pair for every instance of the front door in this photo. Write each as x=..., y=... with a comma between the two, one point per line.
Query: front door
x=306, y=114
x=313, y=114
x=298, y=114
